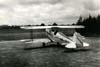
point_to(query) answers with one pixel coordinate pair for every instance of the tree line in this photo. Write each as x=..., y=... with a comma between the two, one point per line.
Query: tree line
x=18, y=26
x=92, y=25
x=9, y=27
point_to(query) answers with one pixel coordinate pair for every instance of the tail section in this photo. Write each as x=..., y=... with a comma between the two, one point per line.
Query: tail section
x=79, y=40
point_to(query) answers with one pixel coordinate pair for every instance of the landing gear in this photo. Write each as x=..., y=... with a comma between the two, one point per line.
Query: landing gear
x=43, y=44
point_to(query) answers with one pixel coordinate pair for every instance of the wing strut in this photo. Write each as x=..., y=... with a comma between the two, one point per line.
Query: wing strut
x=31, y=34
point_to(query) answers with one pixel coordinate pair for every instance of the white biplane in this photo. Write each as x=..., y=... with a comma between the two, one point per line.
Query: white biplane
x=56, y=37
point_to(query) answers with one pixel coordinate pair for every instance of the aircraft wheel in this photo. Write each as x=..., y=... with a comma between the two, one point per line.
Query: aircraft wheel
x=44, y=44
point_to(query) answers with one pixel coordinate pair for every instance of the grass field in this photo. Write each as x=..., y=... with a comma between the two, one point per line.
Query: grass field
x=12, y=54
x=13, y=34
x=19, y=34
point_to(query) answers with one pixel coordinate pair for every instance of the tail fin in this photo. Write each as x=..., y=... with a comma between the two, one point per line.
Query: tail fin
x=77, y=38
x=74, y=37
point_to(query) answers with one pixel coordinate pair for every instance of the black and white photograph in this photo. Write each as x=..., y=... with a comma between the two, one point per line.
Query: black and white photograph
x=49, y=33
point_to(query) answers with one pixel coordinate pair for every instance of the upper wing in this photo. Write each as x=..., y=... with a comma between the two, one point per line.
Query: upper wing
x=35, y=27
x=45, y=27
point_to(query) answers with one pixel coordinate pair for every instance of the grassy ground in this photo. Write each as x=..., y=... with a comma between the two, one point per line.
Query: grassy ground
x=12, y=54
x=13, y=34
x=18, y=36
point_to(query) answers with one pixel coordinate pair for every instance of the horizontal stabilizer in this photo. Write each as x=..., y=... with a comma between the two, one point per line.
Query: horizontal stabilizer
x=71, y=45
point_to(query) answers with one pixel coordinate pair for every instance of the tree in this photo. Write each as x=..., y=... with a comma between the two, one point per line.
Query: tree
x=54, y=24
x=92, y=25
x=79, y=20
x=42, y=24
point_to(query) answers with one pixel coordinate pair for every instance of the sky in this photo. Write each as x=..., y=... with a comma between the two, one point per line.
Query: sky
x=23, y=12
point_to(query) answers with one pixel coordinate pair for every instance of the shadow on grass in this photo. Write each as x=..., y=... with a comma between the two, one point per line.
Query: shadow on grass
x=53, y=46
x=76, y=50
x=66, y=50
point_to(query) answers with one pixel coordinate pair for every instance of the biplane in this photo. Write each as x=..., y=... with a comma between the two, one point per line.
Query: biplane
x=57, y=38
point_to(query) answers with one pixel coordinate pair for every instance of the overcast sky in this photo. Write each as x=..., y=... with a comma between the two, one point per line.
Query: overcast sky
x=18, y=12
